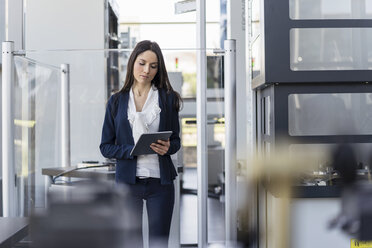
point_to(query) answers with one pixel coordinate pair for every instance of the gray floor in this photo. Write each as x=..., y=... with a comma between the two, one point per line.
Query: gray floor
x=188, y=205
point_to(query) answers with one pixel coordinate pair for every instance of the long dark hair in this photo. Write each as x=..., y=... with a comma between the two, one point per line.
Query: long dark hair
x=161, y=80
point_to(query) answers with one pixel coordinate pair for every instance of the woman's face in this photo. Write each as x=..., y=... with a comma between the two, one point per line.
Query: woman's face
x=145, y=67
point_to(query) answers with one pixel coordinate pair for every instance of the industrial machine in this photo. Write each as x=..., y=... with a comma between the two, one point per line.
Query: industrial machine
x=311, y=72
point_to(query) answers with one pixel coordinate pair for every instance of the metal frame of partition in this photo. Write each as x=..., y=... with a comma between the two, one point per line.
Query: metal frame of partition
x=230, y=122
x=201, y=115
x=65, y=115
x=9, y=187
x=231, y=142
x=8, y=165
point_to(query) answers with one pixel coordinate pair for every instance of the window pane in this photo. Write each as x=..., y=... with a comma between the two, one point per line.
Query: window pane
x=330, y=114
x=267, y=120
x=330, y=49
x=330, y=9
x=256, y=57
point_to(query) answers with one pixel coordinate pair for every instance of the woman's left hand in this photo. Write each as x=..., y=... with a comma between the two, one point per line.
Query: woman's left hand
x=161, y=147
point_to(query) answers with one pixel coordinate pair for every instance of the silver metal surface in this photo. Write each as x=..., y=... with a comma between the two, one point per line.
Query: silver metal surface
x=175, y=231
x=14, y=23
x=201, y=115
x=9, y=187
x=230, y=141
x=184, y=6
x=218, y=51
x=253, y=188
x=65, y=115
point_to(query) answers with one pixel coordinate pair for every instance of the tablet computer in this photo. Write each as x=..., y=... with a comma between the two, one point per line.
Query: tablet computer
x=142, y=146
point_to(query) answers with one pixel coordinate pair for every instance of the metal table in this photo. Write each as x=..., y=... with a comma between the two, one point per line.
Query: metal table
x=12, y=230
x=101, y=173
x=96, y=173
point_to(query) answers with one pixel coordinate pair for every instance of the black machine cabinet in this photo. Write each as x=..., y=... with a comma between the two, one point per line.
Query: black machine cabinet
x=298, y=41
x=311, y=70
x=312, y=76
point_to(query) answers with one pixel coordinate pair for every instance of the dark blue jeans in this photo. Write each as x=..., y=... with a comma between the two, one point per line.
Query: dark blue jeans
x=159, y=204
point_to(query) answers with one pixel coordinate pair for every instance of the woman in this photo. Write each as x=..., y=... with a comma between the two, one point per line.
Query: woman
x=146, y=103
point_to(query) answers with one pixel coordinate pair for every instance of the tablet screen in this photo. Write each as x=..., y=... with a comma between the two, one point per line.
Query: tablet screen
x=142, y=146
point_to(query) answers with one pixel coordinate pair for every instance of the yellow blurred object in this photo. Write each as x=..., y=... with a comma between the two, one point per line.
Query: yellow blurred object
x=24, y=123
x=360, y=244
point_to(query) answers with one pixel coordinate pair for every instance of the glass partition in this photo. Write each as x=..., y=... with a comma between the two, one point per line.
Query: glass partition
x=216, y=148
x=92, y=82
x=256, y=57
x=181, y=66
x=37, y=129
x=330, y=9
x=255, y=18
x=94, y=76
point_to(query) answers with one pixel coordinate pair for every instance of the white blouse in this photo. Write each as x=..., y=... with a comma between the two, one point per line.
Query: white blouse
x=146, y=121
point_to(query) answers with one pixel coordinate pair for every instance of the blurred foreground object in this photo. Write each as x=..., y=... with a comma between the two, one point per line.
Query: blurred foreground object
x=275, y=173
x=356, y=197
x=92, y=215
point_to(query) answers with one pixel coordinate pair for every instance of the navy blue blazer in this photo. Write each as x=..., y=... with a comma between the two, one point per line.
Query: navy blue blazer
x=117, y=139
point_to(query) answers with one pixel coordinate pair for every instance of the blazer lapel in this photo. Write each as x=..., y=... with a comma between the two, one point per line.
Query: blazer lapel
x=162, y=106
x=125, y=115
x=125, y=104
